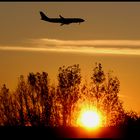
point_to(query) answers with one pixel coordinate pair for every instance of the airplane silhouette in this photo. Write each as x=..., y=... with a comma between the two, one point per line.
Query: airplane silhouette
x=61, y=20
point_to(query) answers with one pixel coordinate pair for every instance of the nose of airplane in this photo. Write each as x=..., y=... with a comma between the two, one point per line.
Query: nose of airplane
x=83, y=20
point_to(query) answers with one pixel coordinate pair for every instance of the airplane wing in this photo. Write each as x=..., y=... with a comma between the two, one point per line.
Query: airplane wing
x=61, y=16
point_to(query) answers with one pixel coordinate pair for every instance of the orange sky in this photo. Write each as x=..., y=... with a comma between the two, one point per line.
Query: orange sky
x=110, y=35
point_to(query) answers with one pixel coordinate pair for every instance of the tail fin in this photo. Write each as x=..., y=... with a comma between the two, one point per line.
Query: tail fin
x=43, y=16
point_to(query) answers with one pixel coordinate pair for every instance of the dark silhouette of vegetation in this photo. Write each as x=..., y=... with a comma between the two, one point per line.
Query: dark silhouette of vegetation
x=35, y=102
x=105, y=89
x=69, y=80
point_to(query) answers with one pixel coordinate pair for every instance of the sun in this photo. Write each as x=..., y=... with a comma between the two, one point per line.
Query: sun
x=90, y=119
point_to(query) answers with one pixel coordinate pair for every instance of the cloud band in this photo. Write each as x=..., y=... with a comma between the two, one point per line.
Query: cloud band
x=122, y=47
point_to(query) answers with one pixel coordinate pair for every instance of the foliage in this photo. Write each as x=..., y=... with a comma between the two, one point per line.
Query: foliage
x=69, y=80
x=35, y=102
x=105, y=89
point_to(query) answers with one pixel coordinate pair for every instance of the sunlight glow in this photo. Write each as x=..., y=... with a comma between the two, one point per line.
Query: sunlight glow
x=90, y=119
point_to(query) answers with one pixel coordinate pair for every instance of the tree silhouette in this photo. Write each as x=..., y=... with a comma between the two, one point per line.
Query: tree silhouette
x=36, y=102
x=98, y=78
x=68, y=84
x=105, y=89
x=40, y=97
x=111, y=103
x=131, y=118
x=23, y=103
x=4, y=107
x=8, y=108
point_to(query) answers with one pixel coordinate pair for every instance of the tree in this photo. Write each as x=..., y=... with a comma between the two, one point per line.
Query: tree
x=56, y=119
x=41, y=97
x=8, y=110
x=131, y=118
x=111, y=103
x=105, y=90
x=21, y=92
x=4, y=106
x=68, y=84
x=35, y=102
x=98, y=78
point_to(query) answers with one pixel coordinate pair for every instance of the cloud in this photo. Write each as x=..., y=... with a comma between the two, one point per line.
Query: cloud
x=122, y=47
x=93, y=43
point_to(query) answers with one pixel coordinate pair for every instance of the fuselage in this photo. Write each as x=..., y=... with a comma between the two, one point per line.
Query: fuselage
x=61, y=20
x=65, y=20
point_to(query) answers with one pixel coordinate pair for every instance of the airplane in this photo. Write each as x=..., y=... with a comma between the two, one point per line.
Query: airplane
x=61, y=20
